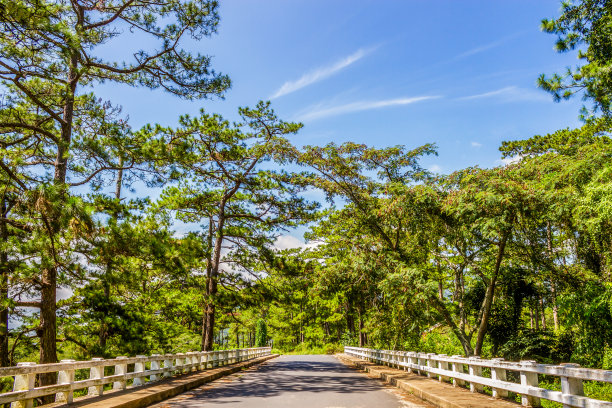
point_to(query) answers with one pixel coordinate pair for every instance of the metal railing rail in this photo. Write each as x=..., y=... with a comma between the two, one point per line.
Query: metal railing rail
x=453, y=368
x=142, y=369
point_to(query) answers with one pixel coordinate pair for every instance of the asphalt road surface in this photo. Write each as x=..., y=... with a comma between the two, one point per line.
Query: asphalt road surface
x=295, y=381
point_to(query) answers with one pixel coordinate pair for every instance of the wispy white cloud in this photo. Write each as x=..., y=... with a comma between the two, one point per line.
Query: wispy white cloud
x=434, y=168
x=510, y=94
x=476, y=144
x=321, y=111
x=486, y=47
x=321, y=73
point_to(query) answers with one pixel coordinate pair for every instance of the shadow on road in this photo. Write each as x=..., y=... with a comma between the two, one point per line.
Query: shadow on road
x=287, y=377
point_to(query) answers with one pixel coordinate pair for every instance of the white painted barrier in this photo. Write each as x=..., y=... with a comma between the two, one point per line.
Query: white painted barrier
x=145, y=369
x=454, y=368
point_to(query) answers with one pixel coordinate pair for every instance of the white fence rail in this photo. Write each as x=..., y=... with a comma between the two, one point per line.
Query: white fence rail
x=141, y=369
x=461, y=370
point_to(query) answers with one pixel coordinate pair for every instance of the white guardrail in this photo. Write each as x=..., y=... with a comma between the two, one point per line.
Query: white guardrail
x=453, y=369
x=142, y=369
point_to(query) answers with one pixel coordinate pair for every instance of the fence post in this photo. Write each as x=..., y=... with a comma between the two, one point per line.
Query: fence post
x=168, y=364
x=476, y=371
x=529, y=379
x=95, y=373
x=195, y=361
x=120, y=369
x=413, y=360
x=178, y=363
x=202, y=358
x=154, y=366
x=498, y=374
x=443, y=365
x=570, y=386
x=431, y=363
x=139, y=367
x=24, y=382
x=65, y=377
x=457, y=366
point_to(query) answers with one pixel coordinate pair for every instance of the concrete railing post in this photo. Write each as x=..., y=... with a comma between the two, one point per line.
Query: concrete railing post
x=431, y=363
x=475, y=371
x=415, y=361
x=443, y=365
x=529, y=379
x=190, y=362
x=178, y=363
x=196, y=361
x=65, y=377
x=24, y=382
x=139, y=367
x=421, y=361
x=120, y=369
x=168, y=364
x=571, y=386
x=457, y=366
x=499, y=374
x=154, y=366
x=95, y=373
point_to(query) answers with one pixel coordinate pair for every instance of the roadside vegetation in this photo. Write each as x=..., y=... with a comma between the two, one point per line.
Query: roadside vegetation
x=513, y=261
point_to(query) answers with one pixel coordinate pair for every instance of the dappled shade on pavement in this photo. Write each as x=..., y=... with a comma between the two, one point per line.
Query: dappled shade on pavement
x=294, y=381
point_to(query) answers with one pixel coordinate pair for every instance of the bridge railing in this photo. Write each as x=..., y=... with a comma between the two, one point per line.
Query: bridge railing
x=121, y=372
x=498, y=375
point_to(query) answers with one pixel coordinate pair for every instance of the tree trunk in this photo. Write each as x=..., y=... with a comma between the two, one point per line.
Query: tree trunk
x=211, y=287
x=48, y=298
x=4, y=280
x=553, y=286
x=543, y=313
x=48, y=345
x=555, y=308
x=537, y=315
x=488, y=301
x=207, y=331
x=361, y=334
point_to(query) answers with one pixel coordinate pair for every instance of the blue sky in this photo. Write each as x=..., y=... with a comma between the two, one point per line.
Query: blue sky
x=460, y=74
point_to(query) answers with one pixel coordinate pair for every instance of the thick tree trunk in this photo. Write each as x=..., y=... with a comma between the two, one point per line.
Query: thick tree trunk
x=209, y=327
x=48, y=299
x=47, y=334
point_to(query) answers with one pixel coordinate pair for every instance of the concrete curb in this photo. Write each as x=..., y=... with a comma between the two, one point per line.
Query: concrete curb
x=159, y=391
x=441, y=395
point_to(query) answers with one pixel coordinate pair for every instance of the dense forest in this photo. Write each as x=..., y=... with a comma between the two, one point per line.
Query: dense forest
x=512, y=261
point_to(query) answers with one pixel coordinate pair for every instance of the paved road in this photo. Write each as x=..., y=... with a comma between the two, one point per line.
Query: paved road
x=295, y=381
